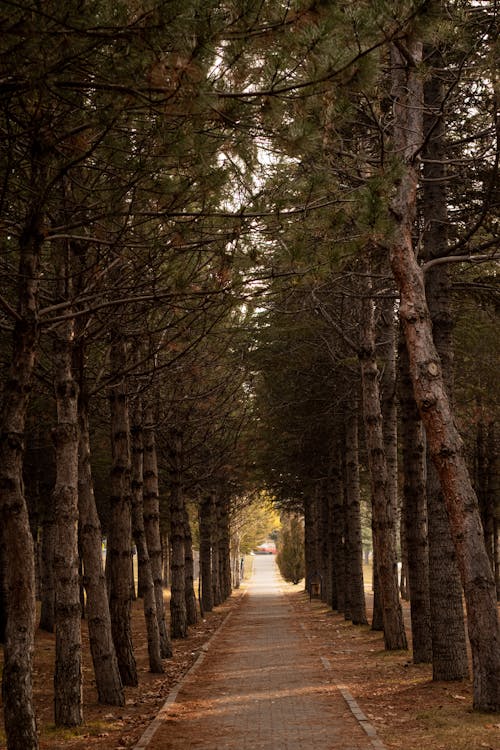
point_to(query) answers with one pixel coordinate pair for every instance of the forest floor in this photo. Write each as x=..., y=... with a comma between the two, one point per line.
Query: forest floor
x=407, y=709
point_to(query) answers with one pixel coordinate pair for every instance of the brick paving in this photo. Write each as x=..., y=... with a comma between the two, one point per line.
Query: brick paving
x=261, y=685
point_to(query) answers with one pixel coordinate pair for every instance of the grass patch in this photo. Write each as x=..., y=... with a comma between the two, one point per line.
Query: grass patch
x=90, y=729
x=460, y=729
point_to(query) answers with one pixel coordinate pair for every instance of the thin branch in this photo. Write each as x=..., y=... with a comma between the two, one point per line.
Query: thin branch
x=9, y=309
x=459, y=259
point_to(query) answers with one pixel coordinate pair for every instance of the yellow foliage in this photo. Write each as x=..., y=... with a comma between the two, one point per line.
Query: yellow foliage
x=254, y=521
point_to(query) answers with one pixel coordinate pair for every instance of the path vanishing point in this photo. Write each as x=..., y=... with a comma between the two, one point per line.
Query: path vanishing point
x=261, y=685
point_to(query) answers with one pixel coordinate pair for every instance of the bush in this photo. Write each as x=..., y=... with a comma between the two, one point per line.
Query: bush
x=290, y=557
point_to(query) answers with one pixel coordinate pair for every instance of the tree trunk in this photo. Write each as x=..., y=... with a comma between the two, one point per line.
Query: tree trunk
x=120, y=530
x=216, y=592
x=445, y=444
x=324, y=538
x=224, y=537
x=415, y=513
x=17, y=541
x=151, y=512
x=338, y=547
x=449, y=646
x=404, y=588
x=143, y=563
x=482, y=484
x=494, y=492
x=178, y=613
x=377, y=613
x=106, y=672
x=68, y=697
x=382, y=506
x=354, y=548
x=3, y=598
x=47, y=593
x=206, y=529
x=191, y=605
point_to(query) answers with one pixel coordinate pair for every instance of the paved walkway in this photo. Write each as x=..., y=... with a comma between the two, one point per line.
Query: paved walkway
x=261, y=685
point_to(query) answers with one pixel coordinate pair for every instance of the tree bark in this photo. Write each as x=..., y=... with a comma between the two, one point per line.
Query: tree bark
x=143, y=562
x=151, y=512
x=106, y=672
x=178, y=613
x=17, y=541
x=224, y=537
x=415, y=513
x=206, y=530
x=47, y=583
x=445, y=444
x=354, y=548
x=382, y=509
x=449, y=645
x=68, y=697
x=338, y=546
x=216, y=592
x=120, y=531
x=191, y=605
x=494, y=492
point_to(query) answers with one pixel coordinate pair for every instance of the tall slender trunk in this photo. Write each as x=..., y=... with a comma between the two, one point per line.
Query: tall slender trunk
x=106, y=672
x=482, y=483
x=382, y=509
x=120, y=529
x=338, y=521
x=68, y=697
x=206, y=529
x=151, y=513
x=224, y=546
x=377, y=613
x=143, y=562
x=354, y=547
x=47, y=583
x=17, y=541
x=415, y=513
x=178, y=613
x=494, y=492
x=324, y=538
x=445, y=444
x=216, y=592
x=449, y=645
x=191, y=606
x=3, y=597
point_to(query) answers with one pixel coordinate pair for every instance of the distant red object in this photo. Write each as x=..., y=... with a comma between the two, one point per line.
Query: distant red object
x=268, y=548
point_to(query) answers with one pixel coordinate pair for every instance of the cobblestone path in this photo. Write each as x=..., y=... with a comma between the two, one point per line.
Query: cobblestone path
x=261, y=686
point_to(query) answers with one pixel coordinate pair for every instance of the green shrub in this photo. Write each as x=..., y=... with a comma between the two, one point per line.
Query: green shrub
x=290, y=557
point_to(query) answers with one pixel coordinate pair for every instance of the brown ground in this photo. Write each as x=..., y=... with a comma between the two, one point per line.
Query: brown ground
x=407, y=709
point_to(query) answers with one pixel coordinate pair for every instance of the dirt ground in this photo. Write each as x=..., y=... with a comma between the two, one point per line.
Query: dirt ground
x=407, y=709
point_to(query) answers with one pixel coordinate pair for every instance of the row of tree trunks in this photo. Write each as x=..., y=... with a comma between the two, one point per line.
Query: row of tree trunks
x=107, y=675
x=151, y=514
x=383, y=521
x=119, y=548
x=145, y=575
x=444, y=442
x=215, y=550
x=415, y=513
